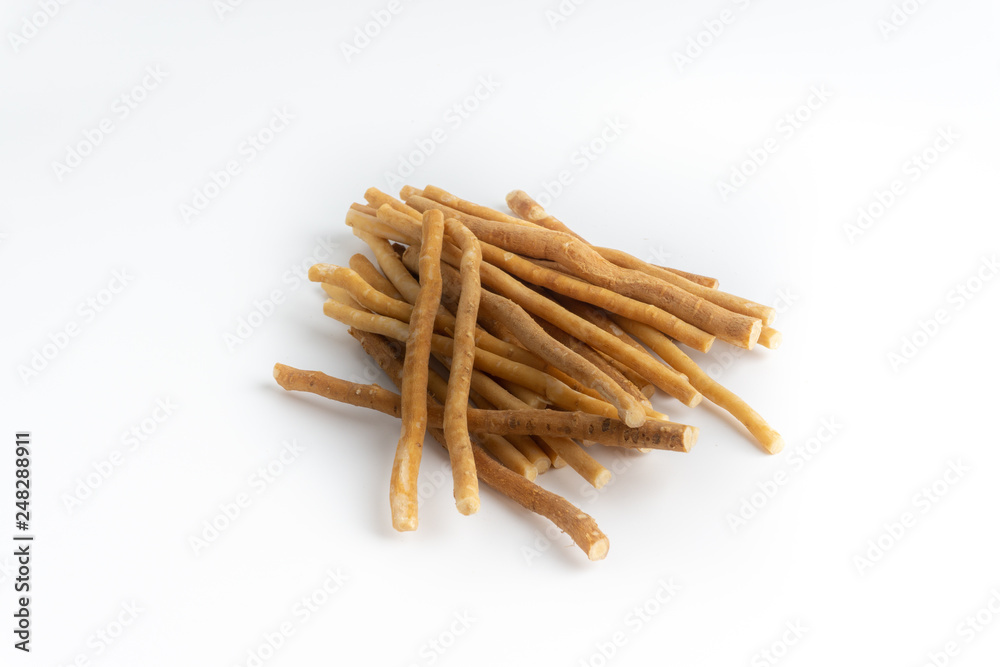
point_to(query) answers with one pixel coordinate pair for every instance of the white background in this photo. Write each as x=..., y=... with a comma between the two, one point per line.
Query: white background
x=654, y=191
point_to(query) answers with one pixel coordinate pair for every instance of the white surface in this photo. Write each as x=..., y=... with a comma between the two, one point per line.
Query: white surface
x=654, y=192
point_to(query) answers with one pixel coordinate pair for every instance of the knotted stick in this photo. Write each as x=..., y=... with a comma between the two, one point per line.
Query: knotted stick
x=406, y=465
x=769, y=439
x=528, y=209
x=580, y=526
x=586, y=263
x=456, y=428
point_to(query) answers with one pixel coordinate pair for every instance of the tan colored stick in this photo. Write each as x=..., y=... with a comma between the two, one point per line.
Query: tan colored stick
x=579, y=425
x=371, y=275
x=504, y=448
x=528, y=209
x=363, y=221
x=770, y=338
x=491, y=318
x=456, y=427
x=533, y=337
x=379, y=302
x=534, y=379
x=586, y=263
x=561, y=283
x=595, y=358
x=531, y=398
x=727, y=301
x=579, y=526
x=769, y=439
x=406, y=466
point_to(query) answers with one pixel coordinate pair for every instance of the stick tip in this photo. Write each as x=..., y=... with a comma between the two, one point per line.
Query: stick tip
x=468, y=505
x=634, y=416
x=599, y=549
x=774, y=444
x=689, y=438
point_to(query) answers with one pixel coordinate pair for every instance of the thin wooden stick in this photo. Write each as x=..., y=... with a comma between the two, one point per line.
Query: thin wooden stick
x=586, y=263
x=530, y=210
x=580, y=526
x=406, y=465
x=456, y=428
x=769, y=439
x=371, y=275
x=525, y=422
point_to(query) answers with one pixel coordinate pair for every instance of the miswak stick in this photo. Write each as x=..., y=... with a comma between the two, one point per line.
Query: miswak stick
x=530, y=210
x=371, y=275
x=578, y=425
x=596, y=359
x=662, y=376
x=524, y=446
x=564, y=448
x=531, y=398
x=770, y=338
x=379, y=302
x=406, y=465
x=578, y=525
x=582, y=380
x=456, y=428
x=728, y=301
x=570, y=286
x=586, y=263
x=768, y=438
x=534, y=379
x=532, y=336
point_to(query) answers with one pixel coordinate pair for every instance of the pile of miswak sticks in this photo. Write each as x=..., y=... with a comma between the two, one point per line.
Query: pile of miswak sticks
x=544, y=342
